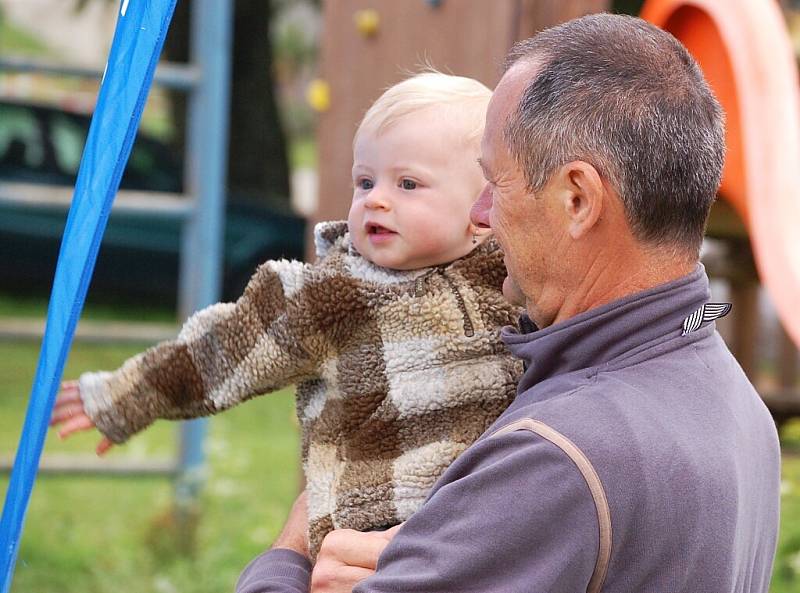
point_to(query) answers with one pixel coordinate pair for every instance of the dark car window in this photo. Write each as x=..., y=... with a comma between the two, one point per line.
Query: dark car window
x=22, y=151
x=68, y=135
x=152, y=166
x=45, y=145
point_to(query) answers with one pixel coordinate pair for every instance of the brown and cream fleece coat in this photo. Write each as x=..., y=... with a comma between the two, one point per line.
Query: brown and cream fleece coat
x=397, y=372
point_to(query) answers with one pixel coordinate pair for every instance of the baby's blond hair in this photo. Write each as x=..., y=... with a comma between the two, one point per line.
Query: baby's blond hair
x=462, y=99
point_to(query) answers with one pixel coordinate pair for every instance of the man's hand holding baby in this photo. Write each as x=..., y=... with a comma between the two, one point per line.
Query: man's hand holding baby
x=347, y=557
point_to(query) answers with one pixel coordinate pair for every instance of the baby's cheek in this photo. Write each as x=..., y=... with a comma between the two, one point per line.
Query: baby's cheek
x=356, y=229
x=431, y=239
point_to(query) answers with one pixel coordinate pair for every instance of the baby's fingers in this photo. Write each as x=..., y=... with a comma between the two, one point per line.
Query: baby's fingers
x=75, y=424
x=64, y=411
x=69, y=393
x=103, y=446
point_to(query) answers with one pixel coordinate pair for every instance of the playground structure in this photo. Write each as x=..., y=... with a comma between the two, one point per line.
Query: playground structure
x=747, y=57
x=204, y=79
x=745, y=53
x=381, y=42
x=369, y=44
x=125, y=83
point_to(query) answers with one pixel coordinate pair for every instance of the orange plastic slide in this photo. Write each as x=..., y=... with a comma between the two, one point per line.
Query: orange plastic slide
x=746, y=55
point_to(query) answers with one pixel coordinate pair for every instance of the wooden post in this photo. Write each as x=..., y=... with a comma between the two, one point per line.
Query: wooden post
x=536, y=15
x=744, y=296
x=464, y=37
x=787, y=363
x=744, y=288
x=785, y=403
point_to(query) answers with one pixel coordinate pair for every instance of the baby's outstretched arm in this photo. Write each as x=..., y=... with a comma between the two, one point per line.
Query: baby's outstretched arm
x=224, y=355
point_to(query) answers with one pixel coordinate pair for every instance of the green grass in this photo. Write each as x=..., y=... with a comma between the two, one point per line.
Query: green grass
x=35, y=307
x=98, y=534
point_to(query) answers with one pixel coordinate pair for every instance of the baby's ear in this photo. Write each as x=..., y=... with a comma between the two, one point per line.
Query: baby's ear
x=479, y=234
x=480, y=231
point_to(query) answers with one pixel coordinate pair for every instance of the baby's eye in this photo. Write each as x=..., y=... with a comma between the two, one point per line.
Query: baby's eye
x=365, y=184
x=408, y=184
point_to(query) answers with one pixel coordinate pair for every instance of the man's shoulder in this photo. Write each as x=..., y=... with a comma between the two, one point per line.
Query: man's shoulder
x=671, y=372
x=690, y=408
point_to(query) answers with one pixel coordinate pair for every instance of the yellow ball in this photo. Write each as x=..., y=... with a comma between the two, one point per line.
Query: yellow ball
x=367, y=21
x=318, y=95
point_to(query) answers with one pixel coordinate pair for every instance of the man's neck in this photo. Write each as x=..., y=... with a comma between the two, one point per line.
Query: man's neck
x=607, y=279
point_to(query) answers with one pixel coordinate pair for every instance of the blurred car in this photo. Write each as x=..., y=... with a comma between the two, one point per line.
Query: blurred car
x=40, y=151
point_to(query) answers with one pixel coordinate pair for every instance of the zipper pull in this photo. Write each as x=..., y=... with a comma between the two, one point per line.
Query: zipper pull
x=419, y=289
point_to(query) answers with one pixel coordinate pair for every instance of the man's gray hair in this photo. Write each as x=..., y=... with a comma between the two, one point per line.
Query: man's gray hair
x=626, y=97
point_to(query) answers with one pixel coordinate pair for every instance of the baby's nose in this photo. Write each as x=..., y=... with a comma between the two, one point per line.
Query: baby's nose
x=377, y=199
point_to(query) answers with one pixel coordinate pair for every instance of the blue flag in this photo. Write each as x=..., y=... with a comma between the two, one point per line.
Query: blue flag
x=138, y=39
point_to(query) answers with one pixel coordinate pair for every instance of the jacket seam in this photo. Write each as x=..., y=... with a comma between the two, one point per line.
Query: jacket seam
x=589, y=474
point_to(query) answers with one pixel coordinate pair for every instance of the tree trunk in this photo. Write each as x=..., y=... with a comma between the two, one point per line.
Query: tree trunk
x=257, y=161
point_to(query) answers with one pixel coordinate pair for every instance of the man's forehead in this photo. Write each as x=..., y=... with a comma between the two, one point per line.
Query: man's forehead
x=519, y=75
x=504, y=100
x=508, y=91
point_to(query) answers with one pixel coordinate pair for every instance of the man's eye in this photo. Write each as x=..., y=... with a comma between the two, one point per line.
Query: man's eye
x=408, y=184
x=365, y=184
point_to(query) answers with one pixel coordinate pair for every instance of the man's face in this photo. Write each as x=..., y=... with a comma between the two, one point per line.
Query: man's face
x=413, y=186
x=528, y=227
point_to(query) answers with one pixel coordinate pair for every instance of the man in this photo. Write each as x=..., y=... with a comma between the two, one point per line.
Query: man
x=636, y=456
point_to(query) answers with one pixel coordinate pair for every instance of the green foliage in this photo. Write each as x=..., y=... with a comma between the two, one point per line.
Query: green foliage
x=294, y=48
x=17, y=41
x=786, y=574
x=627, y=6
x=303, y=153
x=790, y=435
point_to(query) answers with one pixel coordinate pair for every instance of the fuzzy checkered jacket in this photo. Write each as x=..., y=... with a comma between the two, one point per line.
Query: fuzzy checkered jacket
x=397, y=372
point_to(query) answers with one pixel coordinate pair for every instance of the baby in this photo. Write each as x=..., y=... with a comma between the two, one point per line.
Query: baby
x=392, y=335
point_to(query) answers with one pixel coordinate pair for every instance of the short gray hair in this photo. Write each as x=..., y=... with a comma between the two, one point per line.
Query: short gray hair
x=625, y=96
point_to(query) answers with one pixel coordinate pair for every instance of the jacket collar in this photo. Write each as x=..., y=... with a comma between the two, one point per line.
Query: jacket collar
x=607, y=334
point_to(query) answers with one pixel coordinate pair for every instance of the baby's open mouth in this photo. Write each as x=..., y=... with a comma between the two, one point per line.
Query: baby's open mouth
x=376, y=229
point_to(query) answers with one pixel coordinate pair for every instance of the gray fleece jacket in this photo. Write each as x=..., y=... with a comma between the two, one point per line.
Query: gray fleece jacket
x=636, y=457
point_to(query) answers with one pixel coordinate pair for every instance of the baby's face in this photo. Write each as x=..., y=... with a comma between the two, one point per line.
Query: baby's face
x=414, y=184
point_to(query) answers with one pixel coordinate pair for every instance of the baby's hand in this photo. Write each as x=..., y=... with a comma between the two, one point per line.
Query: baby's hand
x=69, y=415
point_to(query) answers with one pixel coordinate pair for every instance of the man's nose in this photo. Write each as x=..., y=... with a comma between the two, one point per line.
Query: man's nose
x=479, y=214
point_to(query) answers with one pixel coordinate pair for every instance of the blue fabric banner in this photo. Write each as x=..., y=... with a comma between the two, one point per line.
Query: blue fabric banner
x=138, y=39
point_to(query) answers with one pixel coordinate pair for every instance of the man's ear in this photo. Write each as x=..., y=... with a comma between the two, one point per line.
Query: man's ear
x=583, y=197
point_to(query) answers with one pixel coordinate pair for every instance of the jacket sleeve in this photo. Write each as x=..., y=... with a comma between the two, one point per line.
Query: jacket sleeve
x=276, y=571
x=224, y=355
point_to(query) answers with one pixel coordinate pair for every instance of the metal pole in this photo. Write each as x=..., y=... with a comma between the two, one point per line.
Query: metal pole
x=211, y=39
x=175, y=76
